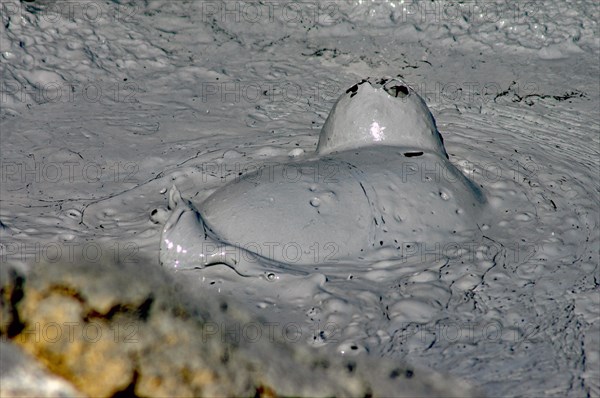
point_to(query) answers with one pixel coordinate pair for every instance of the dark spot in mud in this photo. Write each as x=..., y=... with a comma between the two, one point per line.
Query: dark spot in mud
x=412, y=154
x=353, y=90
x=397, y=91
x=350, y=366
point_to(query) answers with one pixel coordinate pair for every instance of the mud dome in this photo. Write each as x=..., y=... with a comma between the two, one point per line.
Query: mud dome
x=379, y=182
